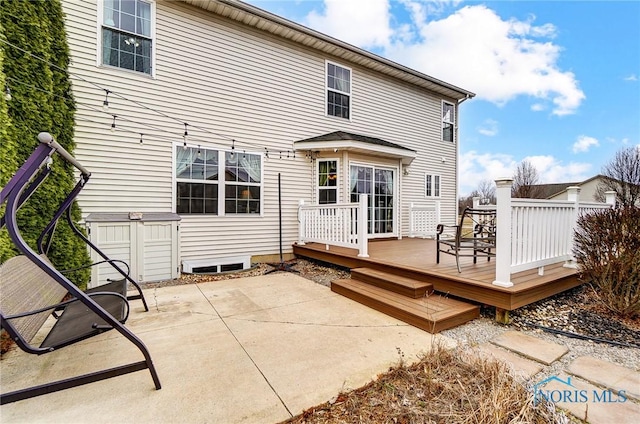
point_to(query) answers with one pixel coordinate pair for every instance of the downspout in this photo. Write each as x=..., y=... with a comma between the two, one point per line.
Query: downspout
x=467, y=97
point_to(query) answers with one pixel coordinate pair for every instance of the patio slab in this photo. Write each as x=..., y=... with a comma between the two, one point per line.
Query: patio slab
x=248, y=350
x=590, y=403
x=606, y=374
x=522, y=368
x=530, y=347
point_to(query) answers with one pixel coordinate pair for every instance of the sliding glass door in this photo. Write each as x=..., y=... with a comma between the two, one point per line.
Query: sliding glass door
x=378, y=183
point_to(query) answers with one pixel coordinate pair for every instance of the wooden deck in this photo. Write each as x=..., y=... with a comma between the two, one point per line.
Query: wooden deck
x=415, y=258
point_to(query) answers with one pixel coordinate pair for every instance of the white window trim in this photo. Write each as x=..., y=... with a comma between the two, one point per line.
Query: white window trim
x=452, y=122
x=99, y=64
x=221, y=183
x=317, y=176
x=432, y=178
x=326, y=90
x=396, y=192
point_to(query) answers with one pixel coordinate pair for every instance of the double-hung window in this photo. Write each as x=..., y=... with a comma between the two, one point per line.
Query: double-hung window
x=213, y=182
x=243, y=174
x=448, y=120
x=338, y=91
x=126, y=34
x=197, y=176
x=327, y=181
x=431, y=185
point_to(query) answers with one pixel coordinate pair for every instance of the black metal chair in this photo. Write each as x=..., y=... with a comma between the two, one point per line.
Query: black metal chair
x=474, y=236
x=32, y=289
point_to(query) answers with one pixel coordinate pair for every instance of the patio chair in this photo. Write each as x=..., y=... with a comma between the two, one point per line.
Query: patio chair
x=474, y=236
x=32, y=290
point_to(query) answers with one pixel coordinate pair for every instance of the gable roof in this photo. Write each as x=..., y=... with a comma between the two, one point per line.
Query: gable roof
x=342, y=135
x=342, y=140
x=546, y=191
x=277, y=25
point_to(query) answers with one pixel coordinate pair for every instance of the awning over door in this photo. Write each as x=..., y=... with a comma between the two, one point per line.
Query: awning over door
x=341, y=140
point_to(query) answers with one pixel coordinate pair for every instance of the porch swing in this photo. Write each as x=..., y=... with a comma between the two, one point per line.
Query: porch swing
x=32, y=290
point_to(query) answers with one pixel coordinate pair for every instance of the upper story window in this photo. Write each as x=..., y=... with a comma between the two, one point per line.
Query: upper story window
x=210, y=182
x=448, y=120
x=127, y=34
x=327, y=181
x=432, y=185
x=338, y=91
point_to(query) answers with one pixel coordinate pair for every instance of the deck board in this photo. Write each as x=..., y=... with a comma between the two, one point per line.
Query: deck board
x=416, y=258
x=432, y=313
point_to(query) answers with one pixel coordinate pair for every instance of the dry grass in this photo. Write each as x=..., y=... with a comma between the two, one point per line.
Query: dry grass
x=445, y=386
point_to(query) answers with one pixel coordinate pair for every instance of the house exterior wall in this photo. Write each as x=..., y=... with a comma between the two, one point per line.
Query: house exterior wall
x=244, y=84
x=587, y=191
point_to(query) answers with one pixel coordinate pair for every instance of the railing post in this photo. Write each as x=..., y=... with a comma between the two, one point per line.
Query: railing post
x=476, y=202
x=437, y=215
x=610, y=198
x=301, y=223
x=412, y=222
x=573, y=195
x=503, y=233
x=363, y=208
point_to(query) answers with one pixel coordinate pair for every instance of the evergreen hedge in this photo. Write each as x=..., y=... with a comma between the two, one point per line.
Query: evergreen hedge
x=41, y=101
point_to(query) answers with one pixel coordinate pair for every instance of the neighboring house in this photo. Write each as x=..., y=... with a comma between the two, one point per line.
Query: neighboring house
x=257, y=96
x=558, y=191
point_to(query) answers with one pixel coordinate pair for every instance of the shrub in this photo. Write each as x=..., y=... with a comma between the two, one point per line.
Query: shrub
x=607, y=248
x=41, y=101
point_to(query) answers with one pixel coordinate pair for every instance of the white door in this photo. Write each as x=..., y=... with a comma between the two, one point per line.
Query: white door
x=379, y=184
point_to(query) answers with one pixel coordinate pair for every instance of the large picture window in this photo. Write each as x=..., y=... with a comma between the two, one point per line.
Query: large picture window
x=448, y=121
x=338, y=91
x=126, y=34
x=216, y=183
x=327, y=181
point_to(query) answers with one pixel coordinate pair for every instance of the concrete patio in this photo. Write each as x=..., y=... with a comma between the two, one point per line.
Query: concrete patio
x=249, y=350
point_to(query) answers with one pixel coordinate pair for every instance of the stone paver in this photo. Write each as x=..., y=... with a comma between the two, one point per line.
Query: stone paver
x=530, y=347
x=590, y=403
x=606, y=374
x=522, y=367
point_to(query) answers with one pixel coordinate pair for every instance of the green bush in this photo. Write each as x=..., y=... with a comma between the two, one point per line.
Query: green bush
x=41, y=101
x=607, y=248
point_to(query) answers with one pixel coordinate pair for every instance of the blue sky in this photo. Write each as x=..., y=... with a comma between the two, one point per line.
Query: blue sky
x=557, y=82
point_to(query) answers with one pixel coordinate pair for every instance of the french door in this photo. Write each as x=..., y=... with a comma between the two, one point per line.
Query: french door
x=379, y=184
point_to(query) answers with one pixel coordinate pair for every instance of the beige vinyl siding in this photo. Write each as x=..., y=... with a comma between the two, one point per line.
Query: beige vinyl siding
x=244, y=84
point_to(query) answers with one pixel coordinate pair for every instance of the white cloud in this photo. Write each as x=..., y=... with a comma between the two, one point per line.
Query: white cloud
x=476, y=167
x=584, y=143
x=364, y=23
x=538, y=107
x=632, y=77
x=552, y=170
x=499, y=59
x=489, y=128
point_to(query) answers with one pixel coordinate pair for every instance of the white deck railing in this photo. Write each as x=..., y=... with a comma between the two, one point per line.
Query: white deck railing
x=532, y=233
x=335, y=225
x=424, y=219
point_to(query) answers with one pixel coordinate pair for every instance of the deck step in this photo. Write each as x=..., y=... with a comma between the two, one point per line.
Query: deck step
x=392, y=282
x=432, y=313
